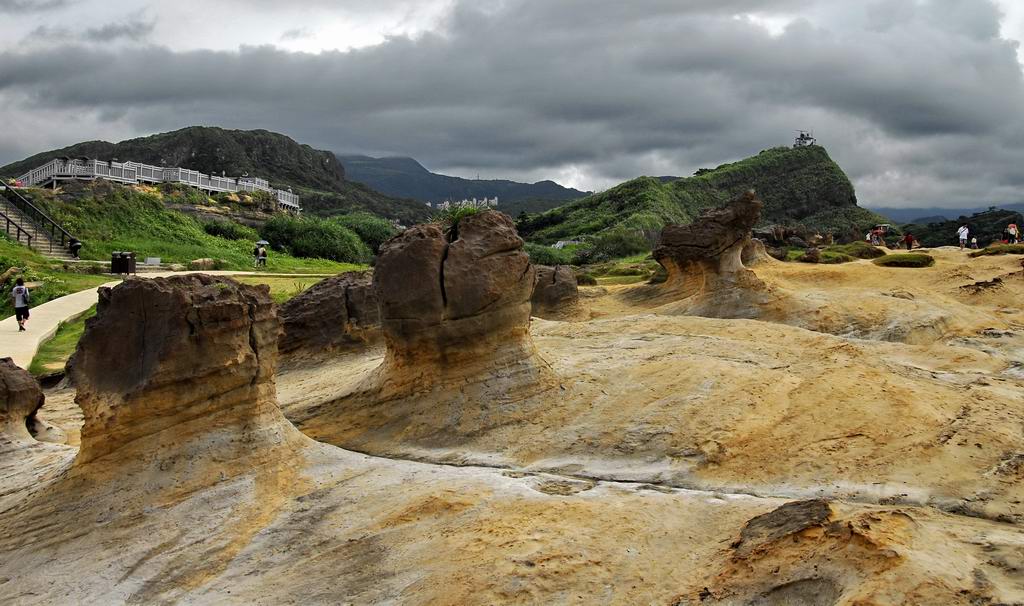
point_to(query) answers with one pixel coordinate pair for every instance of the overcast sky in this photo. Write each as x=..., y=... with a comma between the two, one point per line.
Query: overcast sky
x=920, y=101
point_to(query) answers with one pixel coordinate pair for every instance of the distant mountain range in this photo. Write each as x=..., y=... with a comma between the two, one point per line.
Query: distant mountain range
x=406, y=178
x=316, y=175
x=924, y=216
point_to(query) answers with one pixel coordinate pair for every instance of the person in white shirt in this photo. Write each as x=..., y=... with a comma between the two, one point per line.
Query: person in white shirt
x=962, y=233
x=21, y=298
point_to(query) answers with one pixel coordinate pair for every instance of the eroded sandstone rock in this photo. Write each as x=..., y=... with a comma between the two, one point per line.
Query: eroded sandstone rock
x=20, y=399
x=454, y=304
x=455, y=315
x=556, y=292
x=704, y=260
x=335, y=314
x=178, y=365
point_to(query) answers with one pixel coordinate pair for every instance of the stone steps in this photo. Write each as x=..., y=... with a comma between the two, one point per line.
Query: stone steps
x=41, y=241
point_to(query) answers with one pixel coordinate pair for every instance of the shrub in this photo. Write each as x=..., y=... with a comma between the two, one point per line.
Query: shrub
x=315, y=238
x=999, y=249
x=905, y=260
x=617, y=243
x=229, y=230
x=372, y=229
x=450, y=218
x=545, y=255
x=831, y=257
x=857, y=250
x=586, y=280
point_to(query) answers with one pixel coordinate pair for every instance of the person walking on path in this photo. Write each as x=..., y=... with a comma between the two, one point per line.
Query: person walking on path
x=962, y=233
x=21, y=298
x=256, y=256
x=262, y=256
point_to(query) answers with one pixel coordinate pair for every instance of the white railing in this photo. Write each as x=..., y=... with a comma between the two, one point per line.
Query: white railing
x=135, y=172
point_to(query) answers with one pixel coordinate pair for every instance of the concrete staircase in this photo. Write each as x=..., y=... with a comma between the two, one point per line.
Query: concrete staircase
x=19, y=225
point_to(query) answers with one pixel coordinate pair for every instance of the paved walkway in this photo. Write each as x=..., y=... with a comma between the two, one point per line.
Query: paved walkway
x=22, y=346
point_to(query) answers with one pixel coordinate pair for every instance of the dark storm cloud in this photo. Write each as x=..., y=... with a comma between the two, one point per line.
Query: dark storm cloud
x=615, y=89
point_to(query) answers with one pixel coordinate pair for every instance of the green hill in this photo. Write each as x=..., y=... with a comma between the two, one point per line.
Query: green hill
x=799, y=186
x=315, y=175
x=987, y=226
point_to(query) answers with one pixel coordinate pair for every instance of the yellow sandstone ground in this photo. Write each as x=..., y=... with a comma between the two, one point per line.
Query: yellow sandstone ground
x=637, y=479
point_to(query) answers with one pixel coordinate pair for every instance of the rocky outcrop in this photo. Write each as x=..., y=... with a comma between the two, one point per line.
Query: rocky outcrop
x=20, y=400
x=704, y=260
x=337, y=314
x=754, y=252
x=455, y=304
x=455, y=315
x=556, y=292
x=171, y=367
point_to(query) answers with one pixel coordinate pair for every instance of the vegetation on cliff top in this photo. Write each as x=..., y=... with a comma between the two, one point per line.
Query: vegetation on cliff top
x=315, y=175
x=799, y=186
x=109, y=217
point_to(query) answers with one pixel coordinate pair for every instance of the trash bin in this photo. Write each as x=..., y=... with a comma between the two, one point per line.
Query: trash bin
x=122, y=262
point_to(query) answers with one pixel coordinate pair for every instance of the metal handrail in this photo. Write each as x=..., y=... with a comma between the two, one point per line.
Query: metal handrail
x=10, y=222
x=40, y=218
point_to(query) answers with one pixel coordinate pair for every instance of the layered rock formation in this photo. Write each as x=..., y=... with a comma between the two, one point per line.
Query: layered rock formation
x=20, y=400
x=556, y=293
x=168, y=363
x=704, y=260
x=337, y=314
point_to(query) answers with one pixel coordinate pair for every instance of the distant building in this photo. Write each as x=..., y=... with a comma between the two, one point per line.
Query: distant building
x=804, y=139
x=474, y=203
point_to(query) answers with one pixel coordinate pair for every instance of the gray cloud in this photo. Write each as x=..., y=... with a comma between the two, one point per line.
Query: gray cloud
x=30, y=6
x=922, y=108
x=134, y=30
x=297, y=33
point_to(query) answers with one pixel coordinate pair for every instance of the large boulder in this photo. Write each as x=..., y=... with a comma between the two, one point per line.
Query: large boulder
x=20, y=400
x=455, y=316
x=172, y=367
x=336, y=314
x=443, y=296
x=704, y=260
x=556, y=291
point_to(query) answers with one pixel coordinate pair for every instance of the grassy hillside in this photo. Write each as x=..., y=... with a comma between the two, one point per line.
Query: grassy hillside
x=314, y=174
x=407, y=178
x=108, y=217
x=798, y=186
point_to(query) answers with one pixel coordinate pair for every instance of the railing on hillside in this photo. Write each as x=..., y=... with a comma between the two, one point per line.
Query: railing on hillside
x=42, y=221
x=19, y=233
x=60, y=169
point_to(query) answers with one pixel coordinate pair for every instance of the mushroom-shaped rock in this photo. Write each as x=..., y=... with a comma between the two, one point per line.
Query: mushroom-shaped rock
x=445, y=299
x=20, y=400
x=335, y=314
x=704, y=260
x=555, y=292
x=455, y=314
x=178, y=367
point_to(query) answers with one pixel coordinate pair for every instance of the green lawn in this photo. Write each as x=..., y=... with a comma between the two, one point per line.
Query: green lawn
x=54, y=354
x=282, y=288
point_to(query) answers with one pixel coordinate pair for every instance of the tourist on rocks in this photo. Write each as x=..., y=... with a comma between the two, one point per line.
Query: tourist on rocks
x=21, y=298
x=974, y=242
x=1013, y=232
x=962, y=234
x=909, y=240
